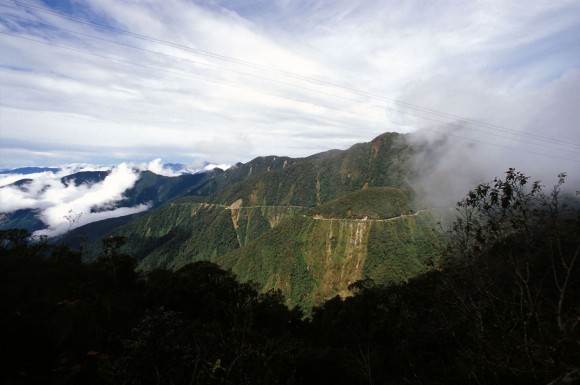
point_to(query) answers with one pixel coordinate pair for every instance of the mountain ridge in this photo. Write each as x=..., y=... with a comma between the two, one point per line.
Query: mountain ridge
x=352, y=208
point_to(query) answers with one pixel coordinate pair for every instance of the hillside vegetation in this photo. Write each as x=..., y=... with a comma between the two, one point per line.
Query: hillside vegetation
x=313, y=259
x=323, y=177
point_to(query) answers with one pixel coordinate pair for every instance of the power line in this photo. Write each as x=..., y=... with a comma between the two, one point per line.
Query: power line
x=307, y=79
x=194, y=61
x=454, y=124
x=270, y=94
x=500, y=145
x=188, y=75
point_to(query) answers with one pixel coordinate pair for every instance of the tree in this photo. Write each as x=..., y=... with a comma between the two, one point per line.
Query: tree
x=13, y=241
x=496, y=209
x=121, y=267
x=514, y=252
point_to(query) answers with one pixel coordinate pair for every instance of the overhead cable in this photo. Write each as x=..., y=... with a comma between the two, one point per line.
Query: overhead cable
x=293, y=75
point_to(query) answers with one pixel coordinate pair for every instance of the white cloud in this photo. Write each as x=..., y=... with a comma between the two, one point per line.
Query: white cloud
x=494, y=61
x=55, y=201
x=58, y=227
x=62, y=206
x=156, y=166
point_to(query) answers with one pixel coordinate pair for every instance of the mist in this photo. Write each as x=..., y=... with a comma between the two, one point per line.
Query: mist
x=448, y=163
x=511, y=125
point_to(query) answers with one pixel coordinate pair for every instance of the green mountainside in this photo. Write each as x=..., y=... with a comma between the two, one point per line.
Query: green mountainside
x=21, y=219
x=84, y=177
x=311, y=259
x=309, y=227
x=322, y=177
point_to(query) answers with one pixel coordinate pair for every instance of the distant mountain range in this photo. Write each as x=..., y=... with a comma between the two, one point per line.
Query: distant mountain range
x=29, y=170
x=174, y=167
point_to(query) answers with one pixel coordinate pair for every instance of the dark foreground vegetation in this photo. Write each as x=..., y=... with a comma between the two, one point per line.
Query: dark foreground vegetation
x=503, y=308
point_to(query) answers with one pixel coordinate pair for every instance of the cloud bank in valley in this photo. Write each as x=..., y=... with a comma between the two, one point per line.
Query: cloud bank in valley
x=62, y=206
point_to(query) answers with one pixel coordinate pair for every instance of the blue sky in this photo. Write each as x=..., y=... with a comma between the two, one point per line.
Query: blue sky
x=227, y=81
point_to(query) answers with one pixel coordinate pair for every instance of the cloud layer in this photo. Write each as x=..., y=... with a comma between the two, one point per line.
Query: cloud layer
x=63, y=206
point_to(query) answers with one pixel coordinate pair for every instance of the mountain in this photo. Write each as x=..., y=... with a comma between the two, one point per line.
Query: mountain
x=30, y=170
x=309, y=227
x=85, y=177
x=503, y=308
x=313, y=258
x=21, y=219
x=28, y=218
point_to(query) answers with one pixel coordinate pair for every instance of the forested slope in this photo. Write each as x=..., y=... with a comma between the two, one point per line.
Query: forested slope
x=275, y=220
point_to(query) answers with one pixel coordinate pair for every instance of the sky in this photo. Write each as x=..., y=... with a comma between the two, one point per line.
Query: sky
x=105, y=81
x=480, y=85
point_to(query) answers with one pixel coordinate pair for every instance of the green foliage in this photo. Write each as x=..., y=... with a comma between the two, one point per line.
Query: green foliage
x=501, y=307
x=14, y=239
x=21, y=219
x=275, y=261
x=326, y=176
x=61, y=318
x=248, y=221
x=311, y=260
x=393, y=334
x=401, y=249
x=65, y=321
x=503, y=311
x=157, y=189
x=372, y=203
x=185, y=231
x=503, y=207
x=364, y=180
